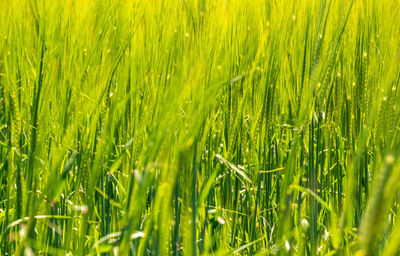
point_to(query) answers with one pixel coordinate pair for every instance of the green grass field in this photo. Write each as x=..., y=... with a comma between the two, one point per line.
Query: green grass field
x=197, y=127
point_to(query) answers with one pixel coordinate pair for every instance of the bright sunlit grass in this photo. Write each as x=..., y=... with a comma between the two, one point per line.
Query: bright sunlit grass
x=196, y=127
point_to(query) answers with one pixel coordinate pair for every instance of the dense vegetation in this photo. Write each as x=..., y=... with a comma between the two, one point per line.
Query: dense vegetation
x=199, y=127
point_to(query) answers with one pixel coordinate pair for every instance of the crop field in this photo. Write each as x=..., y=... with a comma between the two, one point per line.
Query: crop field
x=199, y=127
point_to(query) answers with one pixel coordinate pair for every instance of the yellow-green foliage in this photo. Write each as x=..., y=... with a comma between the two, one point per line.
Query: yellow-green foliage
x=197, y=127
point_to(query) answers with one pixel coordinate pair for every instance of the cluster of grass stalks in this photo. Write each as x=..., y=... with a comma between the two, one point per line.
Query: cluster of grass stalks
x=196, y=127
